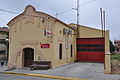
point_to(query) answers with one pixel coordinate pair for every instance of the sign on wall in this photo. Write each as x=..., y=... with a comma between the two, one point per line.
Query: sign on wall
x=45, y=45
x=48, y=33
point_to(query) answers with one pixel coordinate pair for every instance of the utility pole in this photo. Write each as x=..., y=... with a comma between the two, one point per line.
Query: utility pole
x=56, y=15
x=77, y=17
x=77, y=13
x=103, y=25
x=104, y=22
x=101, y=14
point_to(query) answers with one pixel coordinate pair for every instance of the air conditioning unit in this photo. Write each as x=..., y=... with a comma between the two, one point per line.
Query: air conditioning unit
x=64, y=31
x=69, y=32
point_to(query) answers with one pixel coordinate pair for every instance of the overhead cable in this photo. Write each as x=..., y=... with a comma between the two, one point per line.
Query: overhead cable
x=83, y=4
x=56, y=13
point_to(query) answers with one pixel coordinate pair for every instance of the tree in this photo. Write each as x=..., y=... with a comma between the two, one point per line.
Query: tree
x=112, y=47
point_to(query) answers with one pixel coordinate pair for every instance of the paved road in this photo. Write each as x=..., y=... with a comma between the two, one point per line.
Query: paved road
x=16, y=77
x=92, y=71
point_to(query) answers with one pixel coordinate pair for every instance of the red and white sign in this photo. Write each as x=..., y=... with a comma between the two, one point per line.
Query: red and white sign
x=45, y=45
x=47, y=33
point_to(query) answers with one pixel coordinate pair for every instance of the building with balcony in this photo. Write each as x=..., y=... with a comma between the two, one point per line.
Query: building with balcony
x=117, y=45
x=3, y=43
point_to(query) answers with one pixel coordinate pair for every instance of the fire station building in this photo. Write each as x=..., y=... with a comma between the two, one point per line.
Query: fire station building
x=37, y=36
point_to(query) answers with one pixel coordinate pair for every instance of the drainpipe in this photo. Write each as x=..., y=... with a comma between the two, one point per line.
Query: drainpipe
x=66, y=46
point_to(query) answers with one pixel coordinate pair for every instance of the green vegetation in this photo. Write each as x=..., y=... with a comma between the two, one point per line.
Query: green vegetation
x=112, y=47
x=115, y=56
x=115, y=63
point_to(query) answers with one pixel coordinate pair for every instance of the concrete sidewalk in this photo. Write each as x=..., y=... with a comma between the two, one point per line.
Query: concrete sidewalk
x=21, y=72
x=92, y=71
x=3, y=68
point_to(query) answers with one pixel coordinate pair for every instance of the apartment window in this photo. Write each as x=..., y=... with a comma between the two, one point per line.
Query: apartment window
x=2, y=52
x=71, y=48
x=2, y=40
x=60, y=51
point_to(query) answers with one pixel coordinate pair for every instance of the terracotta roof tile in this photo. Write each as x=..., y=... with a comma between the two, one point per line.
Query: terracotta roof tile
x=4, y=29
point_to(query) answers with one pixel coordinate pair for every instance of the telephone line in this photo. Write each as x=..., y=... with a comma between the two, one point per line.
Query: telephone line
x=75, y=8
x=53, y=15
x=8, y=11
x=19, y=13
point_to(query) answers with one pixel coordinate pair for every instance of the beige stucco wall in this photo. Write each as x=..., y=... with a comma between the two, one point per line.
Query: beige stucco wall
x=107, y=54
x=28, y=32
x=59, y=37
x=87, y=32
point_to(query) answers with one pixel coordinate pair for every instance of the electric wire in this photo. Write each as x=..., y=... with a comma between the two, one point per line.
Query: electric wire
x=53, y=15
x=8, y=11
x=65, y=11
x=57, y=13
x=83, y=4
x=19, y=13
x=90, y=1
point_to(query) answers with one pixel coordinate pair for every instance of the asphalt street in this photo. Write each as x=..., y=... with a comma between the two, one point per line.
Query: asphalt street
x=84, y=70
x=18, y=77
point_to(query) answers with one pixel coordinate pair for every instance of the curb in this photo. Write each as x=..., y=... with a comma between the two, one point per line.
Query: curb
x=44, y=76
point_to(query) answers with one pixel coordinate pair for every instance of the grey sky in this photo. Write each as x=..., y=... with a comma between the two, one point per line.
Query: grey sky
x=89, y=13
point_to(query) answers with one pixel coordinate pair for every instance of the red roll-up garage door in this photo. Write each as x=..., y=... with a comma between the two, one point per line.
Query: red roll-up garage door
x=90, y=49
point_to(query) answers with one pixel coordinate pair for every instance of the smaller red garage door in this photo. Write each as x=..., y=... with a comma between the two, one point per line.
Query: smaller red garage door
x=90, y=49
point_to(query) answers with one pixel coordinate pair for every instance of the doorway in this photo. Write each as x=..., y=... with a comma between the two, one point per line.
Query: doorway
x=28, y=56
x=90, y=49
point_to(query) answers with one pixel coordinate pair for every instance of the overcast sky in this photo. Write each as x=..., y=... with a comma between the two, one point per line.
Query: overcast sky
x=89, y=12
